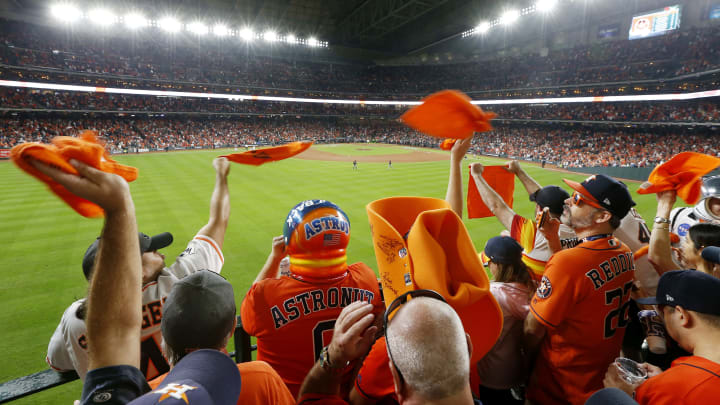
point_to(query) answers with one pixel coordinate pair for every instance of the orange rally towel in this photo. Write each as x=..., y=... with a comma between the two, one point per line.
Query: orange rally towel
x=682, y=173
x=437, y=254
x=260, y=156
x=85, y=149
x=447, y=144
x=500, y=180
x=448, y=114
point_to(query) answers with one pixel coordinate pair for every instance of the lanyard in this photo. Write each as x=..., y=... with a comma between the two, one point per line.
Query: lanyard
x=596, y=237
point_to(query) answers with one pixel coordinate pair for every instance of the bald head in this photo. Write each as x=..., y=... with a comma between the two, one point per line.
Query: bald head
x=429, y=348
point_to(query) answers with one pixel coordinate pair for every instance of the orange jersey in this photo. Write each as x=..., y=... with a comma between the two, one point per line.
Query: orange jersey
x=536, y=251
x=374, y=380
x=293, y=319
x=260, y=384
x=583, y=301
x=689, y=380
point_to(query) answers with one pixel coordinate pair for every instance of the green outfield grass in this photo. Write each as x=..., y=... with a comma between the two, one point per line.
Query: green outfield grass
x=43, y=240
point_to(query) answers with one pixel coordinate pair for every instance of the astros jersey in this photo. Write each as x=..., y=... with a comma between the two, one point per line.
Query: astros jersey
x=67, y=349
x=583, y=301
x=293, y=319
x=689, y=380
x=536, y=249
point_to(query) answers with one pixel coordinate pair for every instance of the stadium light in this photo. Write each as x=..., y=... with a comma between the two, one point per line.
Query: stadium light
x=545, y=6
x=509, y=17
x=102, y=17
x=197, y=28
x=65, y=12
x=483, y=27
x=290, y=38
x=221, y=30
x=135, y=21
x=169, y=24
x=247, y=34
x=270, y=36
x=312, y=41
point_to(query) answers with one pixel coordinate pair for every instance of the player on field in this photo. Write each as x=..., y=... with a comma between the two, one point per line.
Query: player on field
x=68, y=346
x=579, y=313
x=293, y=316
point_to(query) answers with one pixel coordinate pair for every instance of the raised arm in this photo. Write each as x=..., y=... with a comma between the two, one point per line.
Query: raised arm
x=660, y=249
x=528, y=182
x=114, y=315
x=219, y=203
x=454, y=195
x=491, y=198
x=272, y=265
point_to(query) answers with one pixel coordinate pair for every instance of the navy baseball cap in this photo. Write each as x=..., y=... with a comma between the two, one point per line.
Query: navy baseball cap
x=610, y=396
x=611, y=194
x=502, y=249
x=711, y=254
x=552, y=197
x=147, y=244
x=199, y=312
x=690, y=289
x=203, y=377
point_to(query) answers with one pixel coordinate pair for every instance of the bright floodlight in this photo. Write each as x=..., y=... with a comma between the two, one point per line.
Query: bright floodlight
x=247, y=34
x=101, y=16
x=312, y=41
x=290, y=38
x=545, y=5
x=135, y=20
x=65, y=12
x=197, y=28
x=270, y=36
x=221, y=30
x=169, y=24
x=483, y=27
x=509, y=17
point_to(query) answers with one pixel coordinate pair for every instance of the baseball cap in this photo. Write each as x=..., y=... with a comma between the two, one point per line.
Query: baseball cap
x=609, y=193
x=502, y=249
x=147, y=244
x=610, y=396
x=690, y=289
x=204, y=377
x=552, y=197
x=711, y=254
x=199, y=312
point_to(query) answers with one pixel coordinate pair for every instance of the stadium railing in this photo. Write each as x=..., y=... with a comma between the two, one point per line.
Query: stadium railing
x=46, y=379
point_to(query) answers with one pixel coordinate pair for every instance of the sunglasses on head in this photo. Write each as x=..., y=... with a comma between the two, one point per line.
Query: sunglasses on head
x=577, y=198
x=397, y=303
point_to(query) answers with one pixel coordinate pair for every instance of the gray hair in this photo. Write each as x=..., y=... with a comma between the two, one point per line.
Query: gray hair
x=429, y=348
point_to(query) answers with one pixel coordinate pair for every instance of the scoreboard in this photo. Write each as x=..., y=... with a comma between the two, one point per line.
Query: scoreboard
x=655, y=23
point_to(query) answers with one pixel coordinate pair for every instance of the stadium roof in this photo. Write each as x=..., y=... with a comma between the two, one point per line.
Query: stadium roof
x=393, y=27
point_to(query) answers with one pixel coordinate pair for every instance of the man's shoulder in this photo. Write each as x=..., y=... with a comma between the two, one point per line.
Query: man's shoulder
x=70, y=316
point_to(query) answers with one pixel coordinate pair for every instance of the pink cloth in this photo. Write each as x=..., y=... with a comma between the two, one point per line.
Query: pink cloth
x=504, y=366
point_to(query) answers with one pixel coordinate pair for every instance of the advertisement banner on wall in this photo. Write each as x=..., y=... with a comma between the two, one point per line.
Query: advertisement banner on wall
x=4, y=153
x=714, y=12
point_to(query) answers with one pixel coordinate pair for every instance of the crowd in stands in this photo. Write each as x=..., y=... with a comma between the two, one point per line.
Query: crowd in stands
x=640, y=112
x=226, y=63
x=566, y=147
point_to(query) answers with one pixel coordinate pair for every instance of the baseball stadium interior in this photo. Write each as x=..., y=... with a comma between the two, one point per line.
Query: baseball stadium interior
x=585, y=298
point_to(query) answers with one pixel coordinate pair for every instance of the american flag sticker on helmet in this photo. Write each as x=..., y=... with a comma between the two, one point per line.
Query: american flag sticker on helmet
x=331, y=239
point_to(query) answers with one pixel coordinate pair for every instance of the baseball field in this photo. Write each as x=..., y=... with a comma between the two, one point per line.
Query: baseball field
x=43, y=240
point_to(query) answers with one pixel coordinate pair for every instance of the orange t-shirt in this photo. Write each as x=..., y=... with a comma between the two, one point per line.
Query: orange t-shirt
x=259, y=384
x=293, y=319
x=583, y=300
x=689, y=380
x=374, y=380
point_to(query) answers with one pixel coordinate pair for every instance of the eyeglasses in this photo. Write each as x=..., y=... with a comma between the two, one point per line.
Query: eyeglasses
x=577, y=198
x=397, y=303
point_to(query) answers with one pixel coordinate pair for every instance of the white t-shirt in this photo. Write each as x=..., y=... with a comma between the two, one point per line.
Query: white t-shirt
x=67, y=349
